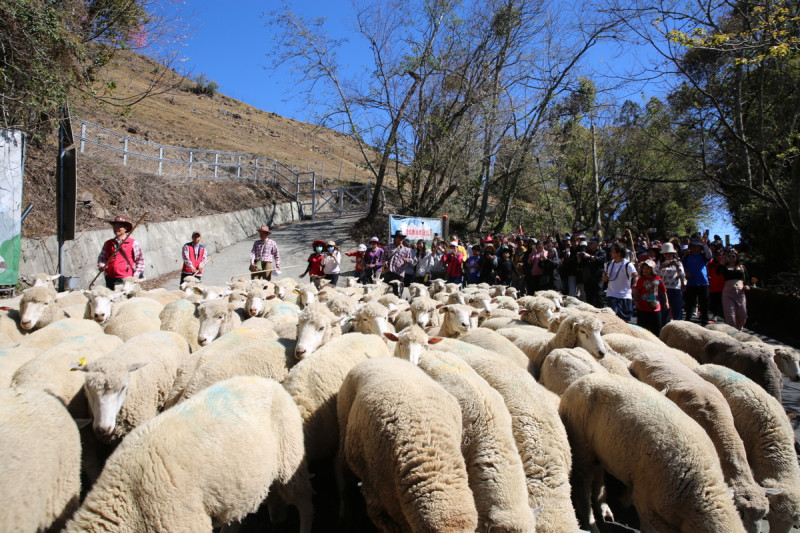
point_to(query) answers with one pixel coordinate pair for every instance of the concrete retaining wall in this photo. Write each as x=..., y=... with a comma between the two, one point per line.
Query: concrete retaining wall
x=161, y=242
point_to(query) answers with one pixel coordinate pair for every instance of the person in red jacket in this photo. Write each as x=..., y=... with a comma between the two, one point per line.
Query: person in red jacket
x=128, y=260
x=194, y=257
x=716, y=283
x=649, y=287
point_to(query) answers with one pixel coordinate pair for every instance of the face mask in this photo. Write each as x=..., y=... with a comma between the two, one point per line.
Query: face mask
x=330, y=248
x=318, y=248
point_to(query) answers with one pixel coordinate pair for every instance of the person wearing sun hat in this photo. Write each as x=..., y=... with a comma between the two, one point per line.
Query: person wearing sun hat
x=331, y=262
x=128, y=260
x=649, y=286
x=264, y=255
x=670, y=269
x=314, y=267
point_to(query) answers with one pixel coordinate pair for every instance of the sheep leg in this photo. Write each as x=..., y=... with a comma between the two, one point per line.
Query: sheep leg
x=583, y=480
x=345, y=481
x=298, y=492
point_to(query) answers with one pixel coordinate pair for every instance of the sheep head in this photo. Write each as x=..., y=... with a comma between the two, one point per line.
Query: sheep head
x=99, y=306
x=33, y=305
x=316, y=325
x=457, y=318
x=106, y=387
x=212, y=315
x=256, y=301
x=411, y=342
x=788, y=361
x=586, y=331
x=371, y=318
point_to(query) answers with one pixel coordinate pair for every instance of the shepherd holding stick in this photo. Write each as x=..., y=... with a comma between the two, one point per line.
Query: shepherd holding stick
x=121, y=257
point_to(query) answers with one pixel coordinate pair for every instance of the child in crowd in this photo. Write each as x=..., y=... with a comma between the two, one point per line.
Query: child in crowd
x=648, y=288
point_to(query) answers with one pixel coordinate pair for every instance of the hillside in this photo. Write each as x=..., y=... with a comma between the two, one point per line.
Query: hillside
x=179, y=118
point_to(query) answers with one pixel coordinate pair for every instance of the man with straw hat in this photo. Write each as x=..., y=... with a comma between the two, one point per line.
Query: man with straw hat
x=264, y=255
x=121, y=257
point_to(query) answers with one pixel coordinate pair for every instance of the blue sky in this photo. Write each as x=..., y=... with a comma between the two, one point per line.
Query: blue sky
x=230, y=40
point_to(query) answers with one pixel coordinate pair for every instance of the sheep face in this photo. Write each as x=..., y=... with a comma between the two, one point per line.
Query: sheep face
x=130, y=286
x=589, y=338
x=480, y=301
x=100, y=304
x=372, y=320
x=33, y=305
x=315, y=326
x=458, y=318
x=212, y=315
x=106, y=389
x=306, y=295
x=788, y=361
x=45, y=280
x=256, y=301
x=411, y=343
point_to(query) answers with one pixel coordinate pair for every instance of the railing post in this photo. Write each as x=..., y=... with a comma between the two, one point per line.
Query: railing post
x=313, y=204
x=341, y=201
x=275, y=171
x=83, y=136
x=125, y=153
x=216, y=164
x=239, y=167
x=191, y=159
x=255, y=174
x=160, y=158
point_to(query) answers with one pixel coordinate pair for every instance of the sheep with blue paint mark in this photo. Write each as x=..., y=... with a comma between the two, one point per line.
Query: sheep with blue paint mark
x=207, y=462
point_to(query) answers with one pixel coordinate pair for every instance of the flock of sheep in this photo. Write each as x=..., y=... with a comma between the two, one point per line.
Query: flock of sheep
x=452, y=411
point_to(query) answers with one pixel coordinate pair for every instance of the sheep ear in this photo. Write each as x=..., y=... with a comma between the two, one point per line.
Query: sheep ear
x=78, y=366
x=772, y=491
x=117, y=296
x=439, y=305
x=136, y=366
x=270, y=297
x=442, y=309
x=391, y=336
x=522, y=311
x=435, y=340
x=474, y=313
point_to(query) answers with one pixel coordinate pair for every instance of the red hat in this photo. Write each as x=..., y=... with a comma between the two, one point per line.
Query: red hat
x=319, y=242
x=124, y=221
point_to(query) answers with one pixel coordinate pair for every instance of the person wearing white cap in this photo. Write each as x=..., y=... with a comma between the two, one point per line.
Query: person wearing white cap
x=359, y=259
x=671, y=271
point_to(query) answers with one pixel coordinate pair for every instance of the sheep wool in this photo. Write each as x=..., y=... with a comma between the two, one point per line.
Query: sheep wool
x=650, y=445
x=130, y=385
x=50, y=335
x=495, y=342
x=12, y=359
x=706, y=405
x=182, y=318
x=38, y=308
x=487, y=444
x=134, y=317
x=40, y=459
x=539, y=434
x=210, y=461
x=401, y=435
x=49, y=371
x=687, y=336
x=768, y=440
x=563, y=366
x=314, y=384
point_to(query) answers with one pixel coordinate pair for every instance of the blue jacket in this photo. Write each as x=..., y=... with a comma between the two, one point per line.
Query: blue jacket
x=696, y=272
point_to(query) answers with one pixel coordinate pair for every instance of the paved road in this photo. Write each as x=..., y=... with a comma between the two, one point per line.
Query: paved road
x=294, y=244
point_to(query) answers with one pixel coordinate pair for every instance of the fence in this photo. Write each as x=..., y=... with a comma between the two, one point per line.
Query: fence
x=173, y=161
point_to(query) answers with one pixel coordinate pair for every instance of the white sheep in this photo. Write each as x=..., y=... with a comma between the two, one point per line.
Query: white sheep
x=49, y=371
x=181, y=317
x=400, y=433
x=134, y=317
x=372, y=318
x=563, y=366
x=768, y=440
x=555, y=296
x=704, y=403
x=284, y=317
x=100, y=304
x=210, y=461
x=755, y=361
x=10, y=330
x=316, y=325
x=46, y=280
x=258, y=353
x=306, y=294
x=40, y=460
x=245, y=339
x=457, y=320
x=487, y=444
x=13, y=358
x=259, y=302
x=502, y=322
x=50, y=335
x=38, y=308
x=539, y=434
x=491, y=340
x=217, y=317
x=130, y=385
x=411, y=342
x=630, y=430
x=581, y=330
x=538, y=311
x=687, y=336
x=628, y=347
x=314, y=385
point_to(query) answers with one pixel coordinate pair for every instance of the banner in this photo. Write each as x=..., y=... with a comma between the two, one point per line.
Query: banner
x=416, y=228
x=12, y=166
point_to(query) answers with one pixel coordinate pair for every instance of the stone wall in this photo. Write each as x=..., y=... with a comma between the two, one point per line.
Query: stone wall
x=161, y=242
